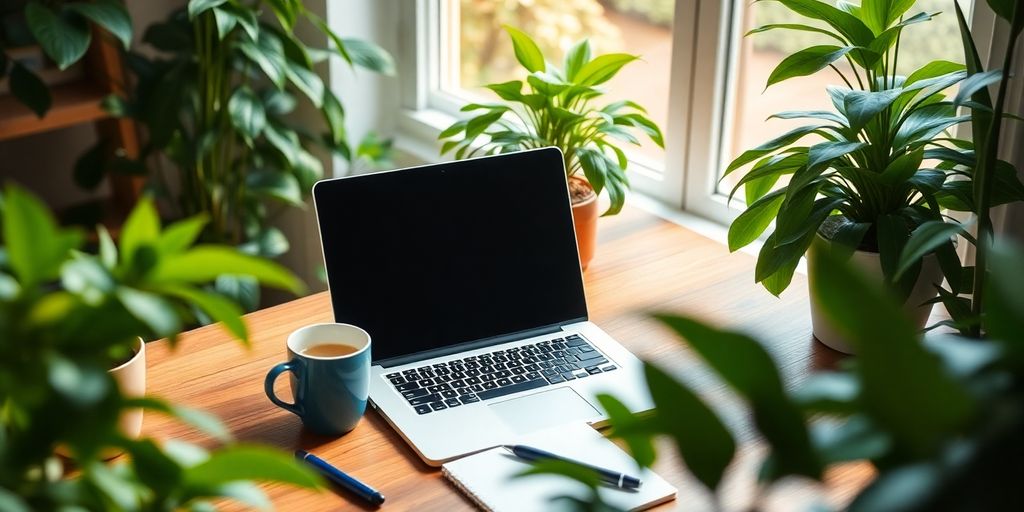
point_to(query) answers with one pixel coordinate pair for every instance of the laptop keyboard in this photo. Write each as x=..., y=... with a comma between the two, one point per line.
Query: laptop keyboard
x=499, y=373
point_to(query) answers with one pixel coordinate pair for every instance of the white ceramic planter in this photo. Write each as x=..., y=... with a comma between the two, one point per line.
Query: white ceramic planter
x=869, y=263
x=131, y=380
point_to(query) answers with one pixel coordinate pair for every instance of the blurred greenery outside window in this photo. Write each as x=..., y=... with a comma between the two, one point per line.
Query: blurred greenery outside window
x=479, y=52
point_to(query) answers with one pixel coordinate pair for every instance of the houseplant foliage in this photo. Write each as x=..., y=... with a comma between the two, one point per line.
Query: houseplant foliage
x=988, y=187
x=62, y=29
x=559, y=108
x=879, y=166
x=66, y=317
x=942, y=421
x=215, y=103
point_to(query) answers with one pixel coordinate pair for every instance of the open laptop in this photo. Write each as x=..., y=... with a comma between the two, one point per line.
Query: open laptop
x=466, y=276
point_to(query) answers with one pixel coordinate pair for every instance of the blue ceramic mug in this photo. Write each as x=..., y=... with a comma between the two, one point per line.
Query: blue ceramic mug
x=330, y=377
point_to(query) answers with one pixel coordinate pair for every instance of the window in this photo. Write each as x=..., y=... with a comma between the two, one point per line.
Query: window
x=701, y=80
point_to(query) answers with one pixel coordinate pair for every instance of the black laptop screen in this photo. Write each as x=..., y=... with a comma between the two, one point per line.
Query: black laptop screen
x=445, y=254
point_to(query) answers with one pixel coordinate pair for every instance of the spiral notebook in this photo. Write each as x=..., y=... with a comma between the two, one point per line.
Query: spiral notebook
x=487, y=477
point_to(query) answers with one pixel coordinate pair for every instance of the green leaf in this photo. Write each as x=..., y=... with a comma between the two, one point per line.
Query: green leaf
x=204, y=263
x=278, y=102
x=241, y=462
x=109, y=14
x=634, y=430
x=269, y=243
x=508, y=91
x=603, y=68
x=141, y=228
x=370, y=56
x=12, y=502
x=197, y=7
x=276, y=184
x=334, y=114
x=771, y=146
x=925, y=239
x=566, y=468
x=822, y=156
x=894, y=369
x=87, y=278
x=1004, y=8
x=150, y=309
x=795, y=26
x=107, y=249
x=576, y=58
x=902, y=168
x=879, y=14
x=268, y=54
x=30, y=90
x=480, y=123
x=1004, y=297
x=180, y=235
x=862, y=106
x=285, y=11
x=306, y=81
x=64, y=40
x=36, y=246
x=754, y=220
x=777, y=263
x=976, y=82
x=701, y=438
x=527, y=52
x=806, y=62
x=219, y=308
x=853, y=29
x=247, y=113
x=745, y=365
x=893, y=234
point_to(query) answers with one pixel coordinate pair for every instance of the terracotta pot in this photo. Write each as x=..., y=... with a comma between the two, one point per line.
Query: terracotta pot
x=869, y=263
x=131, y=380
x=584, y=219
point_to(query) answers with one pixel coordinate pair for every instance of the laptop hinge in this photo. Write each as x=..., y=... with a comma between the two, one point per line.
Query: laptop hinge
x=469, y=345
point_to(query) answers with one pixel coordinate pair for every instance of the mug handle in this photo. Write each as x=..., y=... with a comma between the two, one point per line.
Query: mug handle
x=268, y=387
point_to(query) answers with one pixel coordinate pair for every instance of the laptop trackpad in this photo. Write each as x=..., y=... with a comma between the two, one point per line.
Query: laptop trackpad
x=545, y=409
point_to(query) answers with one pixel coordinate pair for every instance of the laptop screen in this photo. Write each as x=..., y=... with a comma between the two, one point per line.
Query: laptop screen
x=444, y=254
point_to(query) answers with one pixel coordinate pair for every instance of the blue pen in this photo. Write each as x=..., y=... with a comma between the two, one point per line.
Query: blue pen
x=344, y=481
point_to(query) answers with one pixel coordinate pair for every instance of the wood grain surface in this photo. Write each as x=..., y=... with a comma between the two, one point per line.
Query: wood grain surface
x=643, y=264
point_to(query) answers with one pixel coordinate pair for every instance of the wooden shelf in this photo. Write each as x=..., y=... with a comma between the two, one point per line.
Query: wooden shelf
x=73, y=104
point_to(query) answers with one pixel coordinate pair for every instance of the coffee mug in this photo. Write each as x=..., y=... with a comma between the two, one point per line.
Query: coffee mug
x=330, y=390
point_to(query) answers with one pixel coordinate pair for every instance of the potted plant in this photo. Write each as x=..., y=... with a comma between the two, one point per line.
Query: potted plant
x=882, y=163
x=949, y=437
x=217, y=101
x=558, y=108
x=66, y=319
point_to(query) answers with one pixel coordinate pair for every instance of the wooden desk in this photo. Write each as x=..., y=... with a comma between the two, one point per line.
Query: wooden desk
x=643, y=264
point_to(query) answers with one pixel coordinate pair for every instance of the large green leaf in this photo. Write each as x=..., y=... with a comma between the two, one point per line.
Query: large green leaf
x=806, y=62
x=879, y=14
x=862, y=106
x=701, y=438
x=902, y=168
x=635, y=430
x=754, y=220
x=240, y=462
x=197, y=7
x=895, y=370
x=30, y=90
x=603, y=68
x=370, y=56
x=247, y=113
x=1004, y=300
x=180, y=235
x=771, y=146
x=109, y=14
x=1005, y=8
x=976, y=82
x=205, y=262
x=853, y=29
x=749, y=370
x=64, y=40
x=576, y=58
x=268, y=54
x=276, y=184
x=306, y=81
x=527, y=52
x=36, y=246
x=151, y=309
x=219, y=308
x=142, y=227
x=925, y=239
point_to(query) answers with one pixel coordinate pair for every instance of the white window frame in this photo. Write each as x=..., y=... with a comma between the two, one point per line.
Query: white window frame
x=699, y=100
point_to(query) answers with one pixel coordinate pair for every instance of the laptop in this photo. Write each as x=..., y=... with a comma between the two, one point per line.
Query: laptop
x=467, y=277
